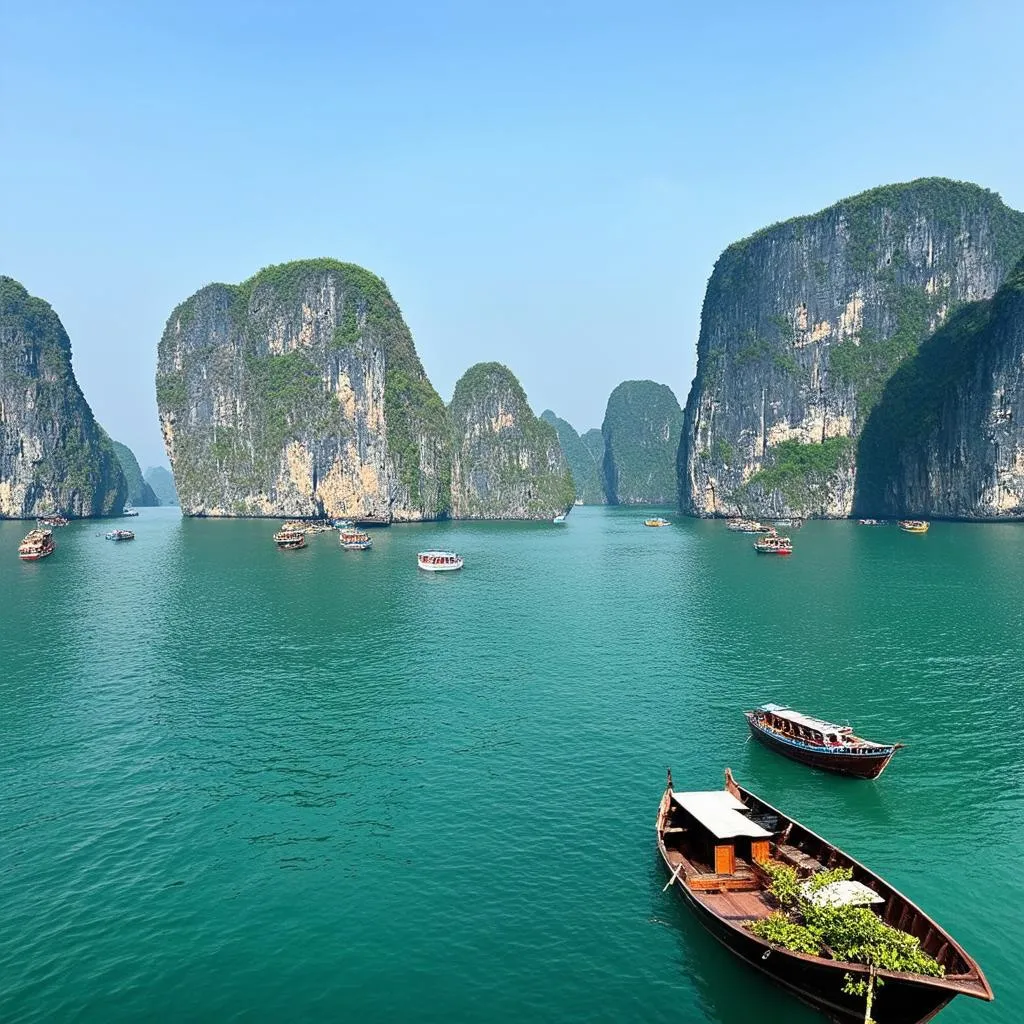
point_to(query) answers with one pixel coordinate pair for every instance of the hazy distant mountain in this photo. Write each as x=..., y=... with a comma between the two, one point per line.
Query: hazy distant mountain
x=582, y=465
x=139, y=492
x=162, y=483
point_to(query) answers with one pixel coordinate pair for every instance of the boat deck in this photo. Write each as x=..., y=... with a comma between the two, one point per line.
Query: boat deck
x=700, y=878
x=737, y=906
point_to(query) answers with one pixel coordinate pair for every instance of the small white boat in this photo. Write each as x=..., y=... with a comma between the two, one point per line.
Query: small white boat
x=559, y=519
x=439, y=561
x=578, y=501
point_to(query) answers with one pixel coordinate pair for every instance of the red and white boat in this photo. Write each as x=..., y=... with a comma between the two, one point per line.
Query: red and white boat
x=773, y=544
x=439, y=561
x=37, y=544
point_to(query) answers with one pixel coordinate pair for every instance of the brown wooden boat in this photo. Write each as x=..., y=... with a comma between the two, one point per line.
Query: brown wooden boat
x=713, y=844
x=36, y=545
x=820, y=744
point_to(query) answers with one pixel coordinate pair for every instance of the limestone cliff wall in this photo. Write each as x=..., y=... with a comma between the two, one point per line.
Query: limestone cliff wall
x=506, y=463
x=803, y=325
x=584, y=467
x=54, y=457
x=299, y=393
x=947, y=437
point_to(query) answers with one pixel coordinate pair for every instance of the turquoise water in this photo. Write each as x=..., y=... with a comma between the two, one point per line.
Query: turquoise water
x=244, y=784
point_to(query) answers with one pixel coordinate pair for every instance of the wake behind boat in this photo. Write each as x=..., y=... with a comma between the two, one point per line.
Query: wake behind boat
x=725, y=849
x=820, y=744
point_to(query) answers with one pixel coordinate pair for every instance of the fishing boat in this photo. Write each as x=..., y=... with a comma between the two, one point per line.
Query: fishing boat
x=914, y=525
x=657, y=521
x=559, y=519
x=37, y=544
x=717, y=847
x=355, y=540
x=820, y=744
x=121, y=535
x=439, y=561
x=773, y=544
x=290, y=540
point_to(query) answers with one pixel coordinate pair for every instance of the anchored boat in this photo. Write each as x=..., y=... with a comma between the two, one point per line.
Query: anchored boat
x=657, y=521
x=747, y=526
x=914, y=525
x=720, y=848
x=439, y=561
x=820, y=744
x=121, y=535
x=290, y=540
x=352, y=539
x=37, y=544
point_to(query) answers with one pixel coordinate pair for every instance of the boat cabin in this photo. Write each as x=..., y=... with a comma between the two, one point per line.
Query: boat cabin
x=715, y=841
x=797, y=726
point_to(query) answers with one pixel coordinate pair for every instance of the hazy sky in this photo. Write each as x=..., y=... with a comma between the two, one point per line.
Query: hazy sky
x=544, y=184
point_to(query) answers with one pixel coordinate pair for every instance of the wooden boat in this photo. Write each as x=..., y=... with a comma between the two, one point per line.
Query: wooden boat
x=355, y=540
x=290, y=540
x=439, y=561
x=36, y=544
x=714, y=845
x=747, y=526
x=294, y=526
x=54, y=520
x=914, y=525
x=872, y=522
x=657, y=521
x=820, y=744
x=773, y=544
x=121, y=535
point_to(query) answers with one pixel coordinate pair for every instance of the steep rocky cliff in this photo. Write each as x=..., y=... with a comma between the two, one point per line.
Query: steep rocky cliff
x=162, y=483
x=641, y=436
x=593, y=441
x=506, y=463
x=803, y=325
x=53, y=455
x=139, y=492
x=582, y=464
x=947, y=437
x=299, y=393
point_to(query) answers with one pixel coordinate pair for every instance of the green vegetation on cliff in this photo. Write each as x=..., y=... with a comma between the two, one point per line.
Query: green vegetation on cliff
x=139, y=492
x=641, y=429
x=582, y=464
x=802, y=473
x=53, y=454
x=506, y=462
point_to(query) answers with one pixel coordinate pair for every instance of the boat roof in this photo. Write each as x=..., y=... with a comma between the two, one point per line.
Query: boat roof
x=719, y=812
x=447, y=554
x=809, y=721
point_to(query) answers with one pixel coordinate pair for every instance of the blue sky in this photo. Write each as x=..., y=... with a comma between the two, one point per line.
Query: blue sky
x=544, y=184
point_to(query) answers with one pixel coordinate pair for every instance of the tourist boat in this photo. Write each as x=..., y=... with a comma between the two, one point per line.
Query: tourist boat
x=439, y=561
x=342, y=524
x=914, y=525
x=54, y=520
x=820, y=744
x=872, y=522
x=747, y=526
x=657, y=521
x=578, y=501
x=289, y=540
x=773, y=544
x=355, y=540
x=713, y=845
x=121, y=535
x=37, y=544
x=294, y=526
x=129, y=511
x=559, y=519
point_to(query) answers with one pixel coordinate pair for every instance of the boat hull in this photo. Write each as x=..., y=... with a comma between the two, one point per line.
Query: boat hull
x=855, y=766
x=820, y=985
x=35, y=556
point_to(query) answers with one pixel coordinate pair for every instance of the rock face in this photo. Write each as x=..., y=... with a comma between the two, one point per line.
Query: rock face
x=299, y=393
x=641, y=436
x=803, y=325
x=54, y=457
x=139, y=492
x=582, y=464
x=162, y=483
x=593, y=440
x=947, y=437
x=506, y=463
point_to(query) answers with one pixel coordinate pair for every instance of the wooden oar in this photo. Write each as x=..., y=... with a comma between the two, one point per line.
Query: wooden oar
x=674, y=877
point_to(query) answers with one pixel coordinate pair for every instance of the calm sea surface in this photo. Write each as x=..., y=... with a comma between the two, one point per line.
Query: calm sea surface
x=240, y=784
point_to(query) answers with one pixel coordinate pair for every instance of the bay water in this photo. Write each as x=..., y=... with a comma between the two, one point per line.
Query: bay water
x=241, y=784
